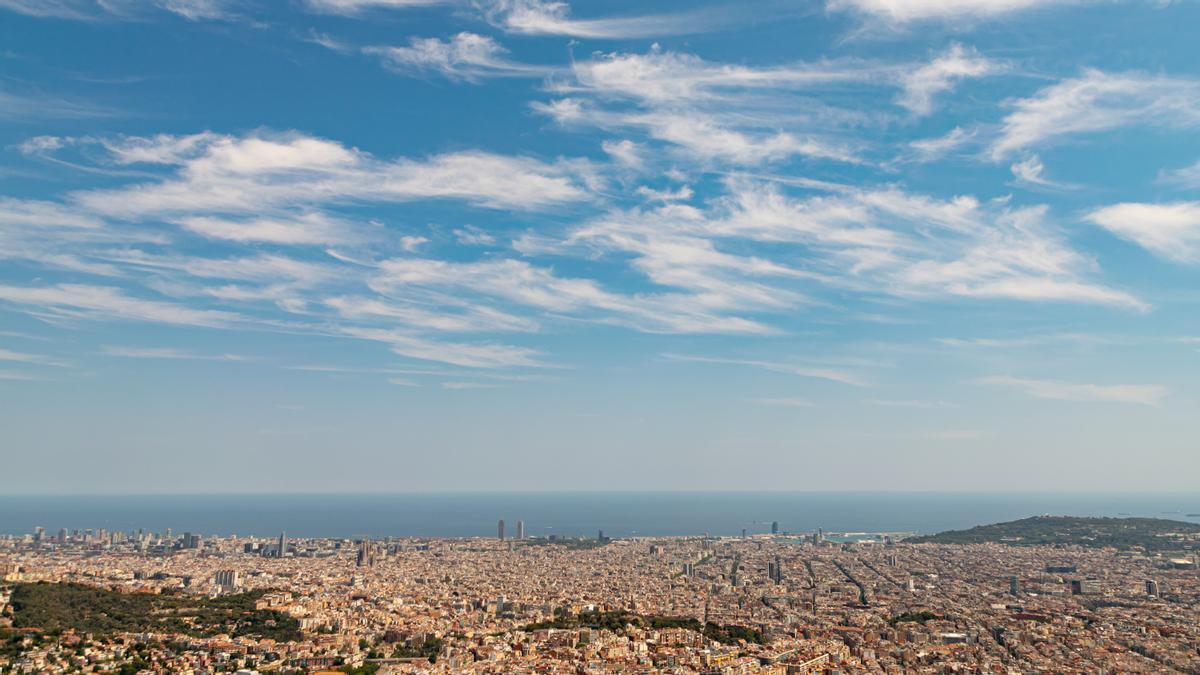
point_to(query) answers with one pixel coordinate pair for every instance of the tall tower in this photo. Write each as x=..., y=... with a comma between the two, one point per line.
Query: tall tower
x=520, y=529
x=500, y=530
x=1014, y=586
x=365, y=555
x=774, y=527
x=283, y=544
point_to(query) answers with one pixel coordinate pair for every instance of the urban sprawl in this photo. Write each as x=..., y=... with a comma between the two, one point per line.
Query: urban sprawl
x=775, y=602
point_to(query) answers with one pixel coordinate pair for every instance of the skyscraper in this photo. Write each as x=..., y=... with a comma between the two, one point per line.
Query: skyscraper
x=283, y=544
x=520, y=529
x=500, y=530
x=1014, y=586
x=774, y=527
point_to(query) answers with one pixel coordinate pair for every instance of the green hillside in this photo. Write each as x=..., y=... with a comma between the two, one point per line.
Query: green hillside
x=1153, y=534
x=86, y=609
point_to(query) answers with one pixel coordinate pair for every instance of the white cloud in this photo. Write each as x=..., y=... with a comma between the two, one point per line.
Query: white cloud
x=469, y=235
x=85, y=10
x=17, y=376
x=251, y=174
x=671, y=77
x=106, y=302
x=940, y=75
x=305, y=228
x=625, y=152
x=906, y=11
x=467, y=355
x=1188, y=176
x=1097, y=101
x=197, y=10
x=1139, y=394
x=882, y=241
x=465, y=56
x=1029, y=170
x=799, y=370
x=930, y=149
x=350, y=7
x=33, y=359
x=167, y=353
x=552, y=17
x=700, y=135
x=525, y=285
x=20, y=213
x=58, y=9
x=1170, y=230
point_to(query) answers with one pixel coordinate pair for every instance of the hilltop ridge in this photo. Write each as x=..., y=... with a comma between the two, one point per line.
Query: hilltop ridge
x=1152, y=534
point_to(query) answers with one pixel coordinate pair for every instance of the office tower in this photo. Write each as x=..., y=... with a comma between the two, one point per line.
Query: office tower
x=775, y=527
x=743, y=533
x=283, y=544
x=688, y=570
x=500, y=530
x=38, y=534
x=1152, y=588
x=771, y=572
x=912, y=585
x=600, y=535
x=62, y=535
x=1014, y=586
x=520, y=529
x=778, y=570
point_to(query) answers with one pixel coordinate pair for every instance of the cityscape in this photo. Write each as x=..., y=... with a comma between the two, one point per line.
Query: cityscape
x=762, y=602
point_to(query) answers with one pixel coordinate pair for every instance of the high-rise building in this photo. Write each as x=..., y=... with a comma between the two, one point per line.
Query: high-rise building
x=500, y=530
x=775, y=527
x=1014, y=586
x=743, y=533
x=520, y=529
x=600, y=535
x=283, y=545
x=1152, y=588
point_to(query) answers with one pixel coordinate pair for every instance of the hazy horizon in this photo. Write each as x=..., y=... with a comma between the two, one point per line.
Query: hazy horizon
x=341, y=246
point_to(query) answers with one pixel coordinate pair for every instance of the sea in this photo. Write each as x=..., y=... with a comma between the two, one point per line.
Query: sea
x=569, y=514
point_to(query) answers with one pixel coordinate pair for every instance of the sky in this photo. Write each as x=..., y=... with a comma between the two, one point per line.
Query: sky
x=426, y=245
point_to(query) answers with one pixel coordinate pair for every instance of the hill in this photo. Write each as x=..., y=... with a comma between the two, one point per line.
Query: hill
x=86, y=609
x=1153, y=534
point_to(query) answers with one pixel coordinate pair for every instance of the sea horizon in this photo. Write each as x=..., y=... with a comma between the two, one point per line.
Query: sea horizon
x=623, y=513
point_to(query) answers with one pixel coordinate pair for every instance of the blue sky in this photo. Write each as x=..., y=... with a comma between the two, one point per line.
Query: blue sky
x=520, y=244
